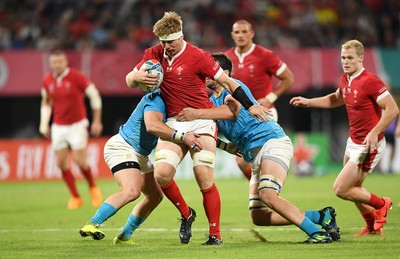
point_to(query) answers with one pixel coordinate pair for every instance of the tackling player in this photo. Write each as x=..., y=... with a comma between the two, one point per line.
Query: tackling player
x=266, y=145
x=255, y=66
x=126, y=154
x=365, y=96
x=63, y=93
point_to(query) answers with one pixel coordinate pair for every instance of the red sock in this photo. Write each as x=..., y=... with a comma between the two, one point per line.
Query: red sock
x=172, y=192
x=212, y=207
x=89, y=177
x=376, y=202
x=247, y=173
x=70, y=181
x=369, y=219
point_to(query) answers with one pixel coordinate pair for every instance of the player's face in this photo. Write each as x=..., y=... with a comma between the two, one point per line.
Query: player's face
x=172, y=47
x=242, y=35
x=211, y=84
x=58, y=63
x=351, y=62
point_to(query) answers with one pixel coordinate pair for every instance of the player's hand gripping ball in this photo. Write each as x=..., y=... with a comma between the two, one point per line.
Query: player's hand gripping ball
x=155, y=68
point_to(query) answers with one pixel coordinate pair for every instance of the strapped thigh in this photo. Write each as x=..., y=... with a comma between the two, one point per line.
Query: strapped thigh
x=270, y=182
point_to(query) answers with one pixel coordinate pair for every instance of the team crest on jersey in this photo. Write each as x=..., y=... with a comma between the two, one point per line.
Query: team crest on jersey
x=251, y=68
x=179, y=70
x=51, y=88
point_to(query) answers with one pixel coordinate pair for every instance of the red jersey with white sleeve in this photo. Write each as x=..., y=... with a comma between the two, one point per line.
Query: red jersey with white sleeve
x=255, y=68
x=361, y=93
x=67, y=93
x=184, y=77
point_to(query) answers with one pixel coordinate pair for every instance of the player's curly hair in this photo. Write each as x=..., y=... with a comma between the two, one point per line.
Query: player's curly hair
x=170, y=23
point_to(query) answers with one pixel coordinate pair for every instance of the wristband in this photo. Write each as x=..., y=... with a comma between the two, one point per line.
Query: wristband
x=271, y=97
x=221, y=144
x=178, y=135
x=242, y=97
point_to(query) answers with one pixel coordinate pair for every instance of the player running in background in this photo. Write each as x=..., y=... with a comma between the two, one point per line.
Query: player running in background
x=364, y=95
x=266, y=145
x=185, y=69
x=63, y=94
x=126, y=154
x=255, y=66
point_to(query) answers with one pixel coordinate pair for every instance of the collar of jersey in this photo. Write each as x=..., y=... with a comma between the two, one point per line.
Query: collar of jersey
x=218, y=92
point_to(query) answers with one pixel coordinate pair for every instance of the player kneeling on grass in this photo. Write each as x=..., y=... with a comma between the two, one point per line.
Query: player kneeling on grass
x=126, y=154
x=266, y=145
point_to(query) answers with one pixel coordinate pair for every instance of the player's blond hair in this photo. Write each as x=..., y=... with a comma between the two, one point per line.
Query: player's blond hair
x=354, y=44
x=170, y=23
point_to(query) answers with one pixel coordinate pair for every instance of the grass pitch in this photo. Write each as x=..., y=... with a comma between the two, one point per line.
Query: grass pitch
x=34, y=222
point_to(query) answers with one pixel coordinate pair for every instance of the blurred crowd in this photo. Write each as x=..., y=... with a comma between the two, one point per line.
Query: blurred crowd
x=124, y=24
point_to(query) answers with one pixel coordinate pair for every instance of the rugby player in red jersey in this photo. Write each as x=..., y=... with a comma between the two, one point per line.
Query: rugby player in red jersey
x=365, y=96
x=63, y=97
x=255, y=66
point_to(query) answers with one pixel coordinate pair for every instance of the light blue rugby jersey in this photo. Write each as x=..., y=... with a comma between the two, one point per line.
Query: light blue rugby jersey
x=245, y=131
x=134, y=130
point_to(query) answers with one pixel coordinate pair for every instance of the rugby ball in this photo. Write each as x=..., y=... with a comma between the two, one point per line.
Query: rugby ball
x=155, y=69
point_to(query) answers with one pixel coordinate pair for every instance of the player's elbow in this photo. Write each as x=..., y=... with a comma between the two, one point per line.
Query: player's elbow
x=152, y=128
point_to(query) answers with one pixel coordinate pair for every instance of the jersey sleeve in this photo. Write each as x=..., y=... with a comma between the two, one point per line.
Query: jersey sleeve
x=155, y=103
x=272, y=62
x=375, y=87
x=82, y=81
x=208, y=66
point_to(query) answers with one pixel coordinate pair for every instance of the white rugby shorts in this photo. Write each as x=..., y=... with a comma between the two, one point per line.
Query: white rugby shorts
x=359, y=155
x=73, y=135
x=279, y=150
x=118, y=151
x=201, y=126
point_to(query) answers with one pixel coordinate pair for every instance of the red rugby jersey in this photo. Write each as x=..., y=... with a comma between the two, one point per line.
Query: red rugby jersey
x=68, y=95
x=255, y=68
x=184, y=77
x=360, y=95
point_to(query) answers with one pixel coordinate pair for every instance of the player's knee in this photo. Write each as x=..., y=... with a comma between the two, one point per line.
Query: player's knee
x=258, y=210
x=340, y=191
x=204, y=158
x=131, y=194
x=269, y=189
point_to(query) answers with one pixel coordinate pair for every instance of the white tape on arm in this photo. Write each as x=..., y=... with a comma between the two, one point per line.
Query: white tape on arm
x=93, y=94
x=45, y=114
x=271, y=97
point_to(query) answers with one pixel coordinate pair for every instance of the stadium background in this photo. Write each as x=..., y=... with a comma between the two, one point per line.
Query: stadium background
x=105, y=39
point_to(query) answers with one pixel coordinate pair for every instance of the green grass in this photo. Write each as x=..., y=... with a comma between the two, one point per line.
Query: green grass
x=34, y=222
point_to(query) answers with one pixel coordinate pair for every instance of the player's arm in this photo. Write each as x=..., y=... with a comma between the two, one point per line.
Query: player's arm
x=155, y=125
x=45, y=114
x=397, y=131
x=136, y=76
x=93, y=94
x=229, y=111
x=391, y=110
x=332, y=100
x=230, y=147
x=286, y=79
x=238, y=93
